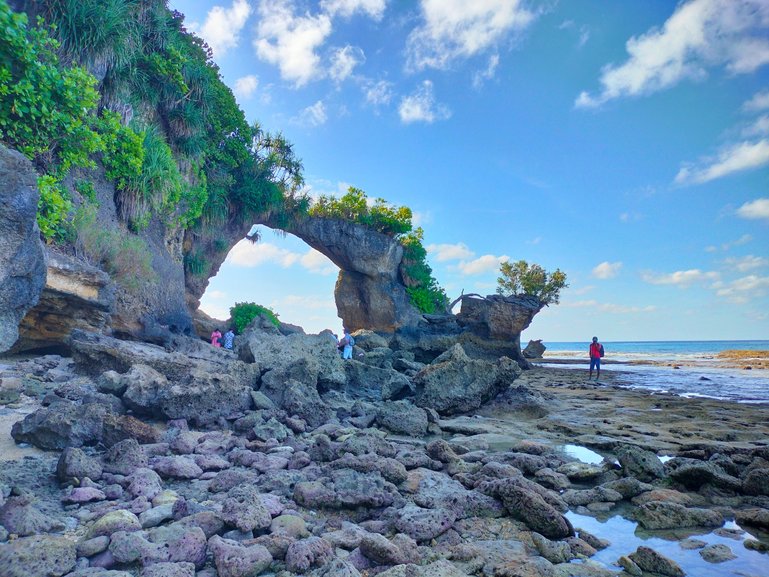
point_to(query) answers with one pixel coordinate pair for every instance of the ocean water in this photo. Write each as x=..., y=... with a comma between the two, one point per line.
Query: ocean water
x=687, y=368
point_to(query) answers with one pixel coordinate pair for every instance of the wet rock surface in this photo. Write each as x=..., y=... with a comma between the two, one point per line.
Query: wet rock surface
x=373, y=486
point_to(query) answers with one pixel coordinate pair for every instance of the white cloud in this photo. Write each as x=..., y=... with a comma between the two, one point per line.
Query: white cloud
x=759, y=127
x=700, y=34
x=346, y=8
x=459, y=29
x=314, y=115
x=378, y=93
x=343, y=62
x=735, y=158
x=483, y=75
x=246, y=86
x=744, y=239
x=445, y=252
x=743, y=289
x=760, y=101
x=607, y=270
x=290, y=41
x=755, y=209
x=422, y=107
x=250, y=255
x=746, y=263
x=216, y=295
x=681, y=278
x=222, y=27
x=317, y=263
x=482, y=264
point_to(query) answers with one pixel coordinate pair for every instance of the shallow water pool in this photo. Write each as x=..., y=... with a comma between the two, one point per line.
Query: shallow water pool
x=625, y=537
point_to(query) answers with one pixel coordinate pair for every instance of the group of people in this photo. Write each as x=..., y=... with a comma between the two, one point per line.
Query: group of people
x=225, y=341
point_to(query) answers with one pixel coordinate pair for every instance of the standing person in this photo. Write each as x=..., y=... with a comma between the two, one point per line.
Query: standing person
x=216, y=337
x=596, y=352
x=229, y=339
x=348, y=342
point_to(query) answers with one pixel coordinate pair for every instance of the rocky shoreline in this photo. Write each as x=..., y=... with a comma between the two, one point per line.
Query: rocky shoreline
x=282, y=460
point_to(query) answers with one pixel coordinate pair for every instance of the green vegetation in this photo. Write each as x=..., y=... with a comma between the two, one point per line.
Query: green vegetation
x=353, y=206
x=52, y=208
x=188, y=158
x=519, y=278
x=124, y=256
x=242, y=314
x=423, y=290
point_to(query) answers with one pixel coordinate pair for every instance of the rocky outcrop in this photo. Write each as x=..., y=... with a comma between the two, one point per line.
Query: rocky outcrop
x=22, y=260
x=534, y=350
x=369, y=292
x=454, y=383
x=75, y=296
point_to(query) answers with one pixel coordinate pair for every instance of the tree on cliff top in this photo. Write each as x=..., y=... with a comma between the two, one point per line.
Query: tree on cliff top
x=520, y=278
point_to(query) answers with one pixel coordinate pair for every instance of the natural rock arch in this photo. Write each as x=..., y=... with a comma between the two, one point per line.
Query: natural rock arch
x=369, y=292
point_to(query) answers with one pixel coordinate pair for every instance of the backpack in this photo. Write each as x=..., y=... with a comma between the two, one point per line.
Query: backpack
x=601, y=351
x=351, y=341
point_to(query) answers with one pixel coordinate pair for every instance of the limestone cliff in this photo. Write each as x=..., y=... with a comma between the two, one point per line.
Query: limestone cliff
x=22, y=260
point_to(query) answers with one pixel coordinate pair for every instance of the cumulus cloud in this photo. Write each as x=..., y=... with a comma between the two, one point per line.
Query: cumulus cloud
x=246, y=86
x=222, y=27
x=289, y=41
x=746, y=263
x=482, y=264
x=681, y=278
x=446, y=252
x=607, y=270
x=760, y=101
x=459, y=29
x=317, y=263
x=347, y=8
x=378, y=93
x=250, y=255
x=743, y=290
x=314, y=115
x=755, y=209
x=699, y=35
x=343, y=62
x=422, y=107
x=734, y=158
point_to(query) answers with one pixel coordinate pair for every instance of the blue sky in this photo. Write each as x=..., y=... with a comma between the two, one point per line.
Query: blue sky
x=626, y=143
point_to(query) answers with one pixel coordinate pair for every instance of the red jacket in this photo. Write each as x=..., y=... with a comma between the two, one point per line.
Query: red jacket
x=595, y=350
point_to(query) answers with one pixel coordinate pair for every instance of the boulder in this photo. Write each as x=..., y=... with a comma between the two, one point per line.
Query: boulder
x=39, y=555
x=639, y=463
x=534, y=350
x=63, y=424
x=649, y=560
x=22, y=258
x=402, y=417
x=234, y=560
x=667, y=515
x=454, y=383
x=533, y=510
x=372, y=383
x=321, y=363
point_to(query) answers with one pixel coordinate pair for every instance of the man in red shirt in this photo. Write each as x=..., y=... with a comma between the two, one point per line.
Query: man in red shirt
x=596, y=352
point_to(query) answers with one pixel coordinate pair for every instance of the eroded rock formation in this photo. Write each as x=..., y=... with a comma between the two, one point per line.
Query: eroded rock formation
x=22, y=260
x=75, y=296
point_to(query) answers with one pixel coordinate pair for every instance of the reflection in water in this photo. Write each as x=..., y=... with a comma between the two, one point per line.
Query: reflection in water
x=625, y=537
x=583, y=454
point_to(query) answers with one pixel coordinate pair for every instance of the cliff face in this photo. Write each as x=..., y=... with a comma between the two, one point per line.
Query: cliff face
x=22, y=261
